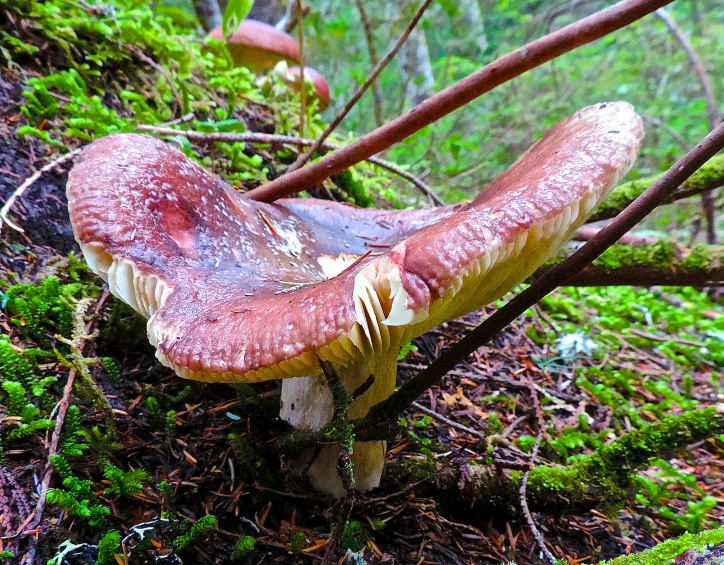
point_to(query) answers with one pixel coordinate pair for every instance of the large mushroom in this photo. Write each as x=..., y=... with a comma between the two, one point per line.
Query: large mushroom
x=242, y=291
x=259, y=46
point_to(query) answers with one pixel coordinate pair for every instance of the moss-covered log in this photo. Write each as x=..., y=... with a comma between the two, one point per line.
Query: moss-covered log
x=663, y=263
x=602, y=478
x=699, y=546
x=709, y=177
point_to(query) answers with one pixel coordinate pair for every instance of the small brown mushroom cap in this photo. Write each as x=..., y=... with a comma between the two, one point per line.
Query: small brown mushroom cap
x=237, y=290
x=259, y=46
x=320, y=85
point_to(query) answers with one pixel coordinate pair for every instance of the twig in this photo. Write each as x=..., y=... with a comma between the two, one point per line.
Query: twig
x=391, y=408
x=302, y=78
x=374, y=59
x=19, y=191
x=302, y=159
x=524, y=504
x=255, y=137
x=656, y=122
x=448, y=421
x=699, y=67
x=496, y=73
x=714, y=118
x=342, y=517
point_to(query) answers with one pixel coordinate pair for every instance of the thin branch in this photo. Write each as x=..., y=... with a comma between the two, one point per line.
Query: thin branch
x=656, y=122
x=254, y=137
x=360, y=91
x=19, y=191
x=374, y=59
x=714, y=118
x=697, y=63
x=498, y=72
x=524, y=504
x=389, y=409
x=448, y=421
x=302, y=78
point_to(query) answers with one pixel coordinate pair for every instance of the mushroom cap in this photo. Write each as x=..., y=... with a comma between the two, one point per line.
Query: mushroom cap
x=238, y=290
x=259, y=46
x=320, y=85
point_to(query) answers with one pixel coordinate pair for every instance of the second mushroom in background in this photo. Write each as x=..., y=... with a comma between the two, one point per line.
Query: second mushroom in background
x=242, y=291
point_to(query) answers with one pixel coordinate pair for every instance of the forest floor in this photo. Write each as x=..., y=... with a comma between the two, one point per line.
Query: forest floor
x=633, y=356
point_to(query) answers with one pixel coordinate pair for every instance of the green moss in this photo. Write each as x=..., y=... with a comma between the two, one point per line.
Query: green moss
x=607, y=474
x=354, y=537
x=666, y=552
x=243, y=548
x=708, y=176
x=699, y=258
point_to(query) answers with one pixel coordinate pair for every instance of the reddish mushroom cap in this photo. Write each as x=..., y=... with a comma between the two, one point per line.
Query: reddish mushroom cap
x=320, y=85
x=259, y=46
x=238, y=290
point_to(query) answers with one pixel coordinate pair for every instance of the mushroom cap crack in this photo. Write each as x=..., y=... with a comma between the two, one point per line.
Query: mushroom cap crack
x=238, y=290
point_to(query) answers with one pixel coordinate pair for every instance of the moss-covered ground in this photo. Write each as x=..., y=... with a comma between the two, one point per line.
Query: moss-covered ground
x=148, y=466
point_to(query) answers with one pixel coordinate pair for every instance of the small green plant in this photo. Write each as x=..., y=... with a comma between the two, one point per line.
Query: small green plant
x=114, y=375
x=45, y=308
x=297, y=542
x=203, y=525
x=243, y=548
x=354, y=537
x=167, y=491
x=171, y=424
x=108, y=547
x=125, y=483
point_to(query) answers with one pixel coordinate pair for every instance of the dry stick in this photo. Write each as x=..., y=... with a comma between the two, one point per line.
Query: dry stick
x=448, y=421
x=707, y=200
x=356, y=96
x=496, y=73
x=374, y=59
x=390, y=409
x=302, y=78
x=524, y=504
x=28, y=182
x=254, y=137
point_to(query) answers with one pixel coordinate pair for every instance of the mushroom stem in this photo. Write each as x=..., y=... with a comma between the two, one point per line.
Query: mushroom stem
x=307, y=404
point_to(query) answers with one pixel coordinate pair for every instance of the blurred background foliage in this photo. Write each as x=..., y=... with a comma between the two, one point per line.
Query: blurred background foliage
x=642, y=64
